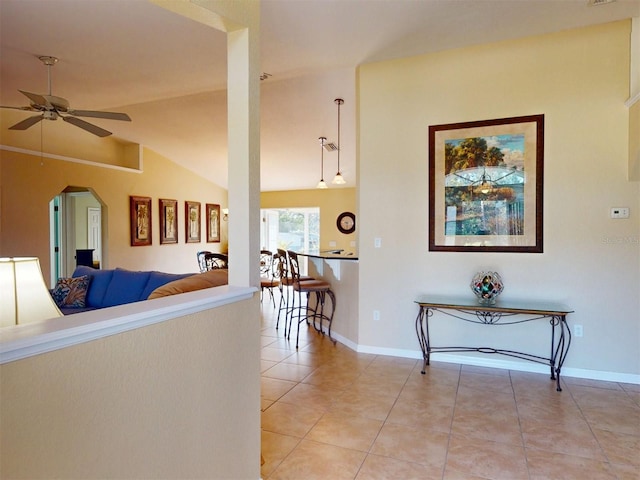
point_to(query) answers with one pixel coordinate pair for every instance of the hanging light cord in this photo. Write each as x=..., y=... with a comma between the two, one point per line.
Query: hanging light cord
x=339, y=101
x=338, y=179
x=321, y=183
x=322, y=139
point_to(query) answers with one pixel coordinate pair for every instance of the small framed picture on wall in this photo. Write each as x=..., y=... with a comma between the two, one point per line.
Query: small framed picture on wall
x=140, y=213
x=168, y=221
x=213, y=222
x=192, y=221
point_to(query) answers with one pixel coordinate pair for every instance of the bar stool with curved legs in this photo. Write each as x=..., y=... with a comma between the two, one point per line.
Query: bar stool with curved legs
x=269, y=275
x=285, y=286
x=321, y=289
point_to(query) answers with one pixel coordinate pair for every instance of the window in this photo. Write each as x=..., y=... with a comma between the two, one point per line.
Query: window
x=296, y=229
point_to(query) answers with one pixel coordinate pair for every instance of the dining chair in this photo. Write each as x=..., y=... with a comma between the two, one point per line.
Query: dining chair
x=201, y=263
x=214, y=261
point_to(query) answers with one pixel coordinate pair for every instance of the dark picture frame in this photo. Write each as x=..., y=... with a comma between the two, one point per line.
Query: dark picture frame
x=486, y=185
x=168, y=220
x=213, y=222
x=192, y=221
x=140, y=220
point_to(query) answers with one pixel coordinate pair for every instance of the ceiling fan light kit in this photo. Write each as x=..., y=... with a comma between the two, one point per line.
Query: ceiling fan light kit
x=52, y=108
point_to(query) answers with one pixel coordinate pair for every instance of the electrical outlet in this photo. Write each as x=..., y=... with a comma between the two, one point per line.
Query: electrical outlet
x=377, y=242
x=376, y=315
x=577, y=330
x=619, y=212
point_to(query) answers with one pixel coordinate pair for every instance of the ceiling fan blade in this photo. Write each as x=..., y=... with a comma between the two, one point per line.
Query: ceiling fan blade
x=35, y=98
x=97, y=114
x=89, y=127
x=26, y=123
x=28, y=109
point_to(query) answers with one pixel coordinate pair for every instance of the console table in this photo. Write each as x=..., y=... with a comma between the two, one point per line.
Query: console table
x=501, y=313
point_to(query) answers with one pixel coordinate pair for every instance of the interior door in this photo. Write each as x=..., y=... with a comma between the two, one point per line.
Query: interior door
x=56, y=239
x=94, y=232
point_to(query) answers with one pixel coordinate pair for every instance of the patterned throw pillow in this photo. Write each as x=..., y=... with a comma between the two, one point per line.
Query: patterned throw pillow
x=71, y=292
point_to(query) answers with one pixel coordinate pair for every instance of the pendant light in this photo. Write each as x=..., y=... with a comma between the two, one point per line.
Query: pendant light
x=321, y=183
x=338, y=179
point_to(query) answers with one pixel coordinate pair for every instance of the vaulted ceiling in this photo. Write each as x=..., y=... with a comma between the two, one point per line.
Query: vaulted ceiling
x=169, y=73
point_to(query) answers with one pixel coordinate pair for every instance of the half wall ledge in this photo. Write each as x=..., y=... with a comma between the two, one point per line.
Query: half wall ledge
x=24, y=341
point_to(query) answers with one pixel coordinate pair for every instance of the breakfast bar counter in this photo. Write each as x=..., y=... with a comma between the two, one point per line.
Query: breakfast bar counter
x=341, y=271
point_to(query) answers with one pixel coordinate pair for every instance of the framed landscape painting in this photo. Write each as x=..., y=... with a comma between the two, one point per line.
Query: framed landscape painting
x=192, y=221
x=168, y=221
x=485, y=185
x=213, y=222
x=140, y=215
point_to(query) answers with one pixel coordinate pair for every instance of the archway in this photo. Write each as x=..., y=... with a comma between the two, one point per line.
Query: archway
x=77, y=236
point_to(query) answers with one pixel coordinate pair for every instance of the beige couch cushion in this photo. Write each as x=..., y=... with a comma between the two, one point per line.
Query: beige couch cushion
x=212, y=278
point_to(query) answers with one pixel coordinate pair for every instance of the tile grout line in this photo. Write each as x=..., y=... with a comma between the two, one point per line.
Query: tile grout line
x=453, y=414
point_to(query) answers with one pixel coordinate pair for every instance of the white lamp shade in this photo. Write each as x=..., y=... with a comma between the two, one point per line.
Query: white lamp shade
x=338, y=179
x=24, y=297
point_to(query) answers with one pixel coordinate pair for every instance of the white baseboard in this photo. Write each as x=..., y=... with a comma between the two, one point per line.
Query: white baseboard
x=492, y=362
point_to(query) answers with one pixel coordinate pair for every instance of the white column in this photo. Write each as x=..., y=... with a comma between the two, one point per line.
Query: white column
x=244, y=157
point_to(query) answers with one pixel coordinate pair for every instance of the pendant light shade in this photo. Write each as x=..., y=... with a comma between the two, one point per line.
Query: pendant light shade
x=321, y=183
x=338, y=179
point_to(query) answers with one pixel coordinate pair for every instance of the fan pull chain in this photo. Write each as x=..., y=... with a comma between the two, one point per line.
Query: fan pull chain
x=41, y=146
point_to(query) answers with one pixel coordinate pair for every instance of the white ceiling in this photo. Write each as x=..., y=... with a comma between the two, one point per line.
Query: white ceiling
x=168, y=73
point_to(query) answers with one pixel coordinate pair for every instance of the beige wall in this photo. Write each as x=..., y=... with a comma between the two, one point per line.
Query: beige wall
x=579, y=80
x=332, y=202
x=81, y=204
x=634, y=142
x=178, y=399
x=29, y=183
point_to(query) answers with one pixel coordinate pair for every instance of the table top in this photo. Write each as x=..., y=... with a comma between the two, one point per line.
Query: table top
x=330, y=255
x=470, y=302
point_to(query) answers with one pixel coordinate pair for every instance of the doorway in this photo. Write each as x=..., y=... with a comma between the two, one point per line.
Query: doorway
x=76, y=217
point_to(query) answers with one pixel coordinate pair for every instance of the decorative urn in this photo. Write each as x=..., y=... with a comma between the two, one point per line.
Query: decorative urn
x=487, y=286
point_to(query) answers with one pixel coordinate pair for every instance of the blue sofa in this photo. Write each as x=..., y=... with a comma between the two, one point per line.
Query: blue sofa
x=109, y=288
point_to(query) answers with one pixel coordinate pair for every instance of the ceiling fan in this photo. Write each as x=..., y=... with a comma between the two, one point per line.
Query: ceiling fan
x=52, y=108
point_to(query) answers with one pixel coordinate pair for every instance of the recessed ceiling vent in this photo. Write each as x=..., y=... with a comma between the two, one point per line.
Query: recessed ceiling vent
x=330, y=147
x=593, y=3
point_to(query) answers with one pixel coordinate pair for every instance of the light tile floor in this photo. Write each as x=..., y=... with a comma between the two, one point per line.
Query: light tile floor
x=331, y=413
